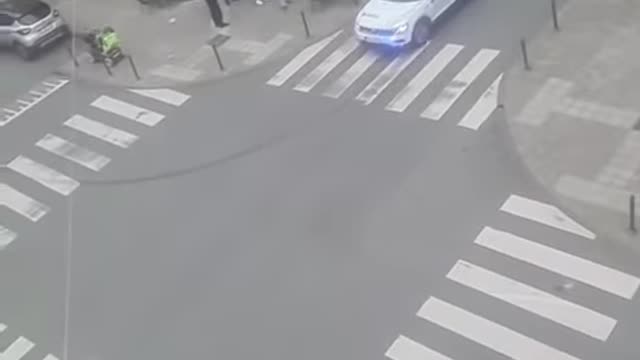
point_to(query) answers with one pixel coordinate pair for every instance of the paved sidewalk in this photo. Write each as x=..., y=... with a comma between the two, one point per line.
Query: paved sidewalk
x=169, y=45
x=574, y=116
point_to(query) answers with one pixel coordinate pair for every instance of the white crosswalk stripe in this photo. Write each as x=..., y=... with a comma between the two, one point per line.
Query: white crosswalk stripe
x=531, y=299
x=101, y=131
x=128, y=111
x=424, y=78
x=6, y=237
x=483, y=108
x=18, y=349
x=43, y=175
x=168, y=96
x=350, y=76
x=322, y=70
x=70, y=151
x=488, y=333
x=404, y=348
x=22, y=204
x=462, y=81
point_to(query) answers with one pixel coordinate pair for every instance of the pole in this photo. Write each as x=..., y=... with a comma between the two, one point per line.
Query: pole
x=107, y=68
x=306, y=25
x=133, y=67
x=554, y=13
x=75, y=61
x=215, y=51
x=525, y=57
x=632, y=213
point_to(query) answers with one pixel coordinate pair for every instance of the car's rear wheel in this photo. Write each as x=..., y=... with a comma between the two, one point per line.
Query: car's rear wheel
x=421, y=32
x=23, y=51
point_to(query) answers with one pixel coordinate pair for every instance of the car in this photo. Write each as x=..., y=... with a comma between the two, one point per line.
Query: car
x=399, y=22
x=27, y=26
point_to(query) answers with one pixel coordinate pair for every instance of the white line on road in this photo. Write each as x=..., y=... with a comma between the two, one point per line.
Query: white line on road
x=43, y=175
x=6, y=237
x=300, y=60
x=488, y=333
x=436, y=110
x=101, y=131
x=404, y=348
x=390, y=73
x=70, y=151
x=350, y=76
x=127, y=110
x=591, y=273
x=483, y=108
x=50, y=357
x=316, y=75
x=420, y=82
x=3, y=327
x=18, y=349
x=14, y=114
x=551, y=307
x=167, y=96
x=21, y=203
x=545, y=214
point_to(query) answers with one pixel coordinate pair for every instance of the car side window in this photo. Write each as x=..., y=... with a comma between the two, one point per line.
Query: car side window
x=5, y=20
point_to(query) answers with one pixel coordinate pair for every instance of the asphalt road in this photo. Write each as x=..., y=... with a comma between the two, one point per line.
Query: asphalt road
x=262, y=222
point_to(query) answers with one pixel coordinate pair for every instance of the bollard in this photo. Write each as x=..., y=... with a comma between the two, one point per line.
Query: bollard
x=554, y=13
x=133, y=67
x=215, y=52
x=525, y=58
x=75, y=61
x=107, y=68
x=306, y=25
x=214, y=43
x=632, y=213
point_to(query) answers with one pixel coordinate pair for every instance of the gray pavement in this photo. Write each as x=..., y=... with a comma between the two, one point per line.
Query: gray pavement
x=574, y=115
x=305, y=226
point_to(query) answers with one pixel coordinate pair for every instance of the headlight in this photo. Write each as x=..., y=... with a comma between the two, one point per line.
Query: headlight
x=24, y=31
x=402, y=28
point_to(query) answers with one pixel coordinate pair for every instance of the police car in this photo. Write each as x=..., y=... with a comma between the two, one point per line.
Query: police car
x=399, y=22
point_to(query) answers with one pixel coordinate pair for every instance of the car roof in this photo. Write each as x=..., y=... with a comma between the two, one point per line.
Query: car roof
x=18, y=7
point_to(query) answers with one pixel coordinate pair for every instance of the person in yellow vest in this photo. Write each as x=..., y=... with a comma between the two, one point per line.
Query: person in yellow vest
x=108, y=40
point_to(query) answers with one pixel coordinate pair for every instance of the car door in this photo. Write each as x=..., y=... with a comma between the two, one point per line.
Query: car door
x=6, y=29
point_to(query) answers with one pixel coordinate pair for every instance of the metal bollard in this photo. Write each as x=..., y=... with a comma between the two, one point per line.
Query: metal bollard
x=215, y=52
x=107, y=68
x=632, y=213
x=306, y=25
x=525, y=57
x=554, y=13
x=133, y=67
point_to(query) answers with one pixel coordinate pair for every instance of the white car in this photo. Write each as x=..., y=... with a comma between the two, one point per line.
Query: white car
x=399, y=22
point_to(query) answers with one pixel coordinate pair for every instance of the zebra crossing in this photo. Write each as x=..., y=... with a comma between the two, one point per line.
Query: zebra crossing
x=362, y=60
x=508, y=290
x=34, y=96
x=21, y=349
x=121, y=110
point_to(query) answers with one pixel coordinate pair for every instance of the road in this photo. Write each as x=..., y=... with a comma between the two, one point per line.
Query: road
x=246, y=220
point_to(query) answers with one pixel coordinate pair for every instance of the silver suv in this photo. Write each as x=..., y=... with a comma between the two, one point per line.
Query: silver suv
x=28, y=26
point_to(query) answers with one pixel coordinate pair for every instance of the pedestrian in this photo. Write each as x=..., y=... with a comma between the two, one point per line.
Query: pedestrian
x=216, y=13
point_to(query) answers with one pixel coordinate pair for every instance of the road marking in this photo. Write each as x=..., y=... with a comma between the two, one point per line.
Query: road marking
x=70, y=151
x=350, y=76
x=30, y=104
x=526, y=297
x=420, y=82
x=404, y=348
x=483, y=108
x=43, y=175
x=21, y=203
x=488, y=333
x=300, y=60
x=3, y=327
x=18, y=349
x=588, y=272
x=314, y=77
x=50, y=357
x=101, y=131
x=459, y=84
x=168, y=96
x=6, y=237
x=127, y=110
x=390, y=73
x=545, y=214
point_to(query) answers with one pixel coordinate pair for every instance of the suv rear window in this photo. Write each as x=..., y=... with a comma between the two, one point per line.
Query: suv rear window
x=38, y=12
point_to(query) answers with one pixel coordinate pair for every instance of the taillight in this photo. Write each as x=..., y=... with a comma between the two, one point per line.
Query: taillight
x=24, y=31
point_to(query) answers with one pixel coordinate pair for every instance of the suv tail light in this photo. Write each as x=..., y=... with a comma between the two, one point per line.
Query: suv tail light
x=24, y=31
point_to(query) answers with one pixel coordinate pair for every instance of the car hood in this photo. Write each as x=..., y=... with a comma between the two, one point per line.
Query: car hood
x=383, y=14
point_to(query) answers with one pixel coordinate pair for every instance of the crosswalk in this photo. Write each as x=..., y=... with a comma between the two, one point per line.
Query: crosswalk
x=21, y=348
x=508, y=289
x=122, y=110
x=37, y=94
x=426, y=66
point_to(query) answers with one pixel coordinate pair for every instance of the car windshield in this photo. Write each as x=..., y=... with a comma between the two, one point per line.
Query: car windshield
x=35, y=13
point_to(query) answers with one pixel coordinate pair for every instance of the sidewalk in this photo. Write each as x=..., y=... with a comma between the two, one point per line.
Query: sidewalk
x=575, y=116
x=169, y=45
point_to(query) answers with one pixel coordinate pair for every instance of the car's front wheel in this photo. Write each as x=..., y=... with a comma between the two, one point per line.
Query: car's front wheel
x=421, y=32
x=24, y=52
